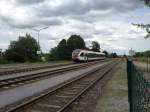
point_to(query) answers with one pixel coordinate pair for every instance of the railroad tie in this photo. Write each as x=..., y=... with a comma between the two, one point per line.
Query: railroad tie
x=49, y=106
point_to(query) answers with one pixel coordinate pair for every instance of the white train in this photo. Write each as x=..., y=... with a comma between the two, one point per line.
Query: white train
x=85, y=55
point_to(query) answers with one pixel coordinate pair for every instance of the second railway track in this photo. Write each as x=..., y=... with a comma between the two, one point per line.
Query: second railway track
x=16, y=81
x=22, y=70
x=60, y=98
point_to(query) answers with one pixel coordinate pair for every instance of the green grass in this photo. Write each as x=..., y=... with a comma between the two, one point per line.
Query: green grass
x=29, y=64
x=143, y=60
x=115, y=96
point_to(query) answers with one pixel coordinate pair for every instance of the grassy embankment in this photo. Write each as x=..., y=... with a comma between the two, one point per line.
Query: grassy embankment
x=115, y=95
x=13, y=66
x=143, y=60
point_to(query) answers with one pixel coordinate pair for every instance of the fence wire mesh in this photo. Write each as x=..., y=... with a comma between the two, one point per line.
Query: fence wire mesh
x=138, y=89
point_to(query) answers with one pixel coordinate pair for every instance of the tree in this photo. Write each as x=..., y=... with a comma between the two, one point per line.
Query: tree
x=95, y=46
x=75, y=42
x=147, y=2
x=62, y=49
x=24, y=49
x=143, y=54
x=145, y=26
x=54, y=54
x=113, y=55
x=106, y=53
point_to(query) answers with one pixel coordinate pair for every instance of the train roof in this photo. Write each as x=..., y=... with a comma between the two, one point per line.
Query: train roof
x=88, y=51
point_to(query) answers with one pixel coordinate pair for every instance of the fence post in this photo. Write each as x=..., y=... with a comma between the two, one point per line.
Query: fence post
x=129, y=76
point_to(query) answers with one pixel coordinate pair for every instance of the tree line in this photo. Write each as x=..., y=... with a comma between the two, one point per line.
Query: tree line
x=65, y=47
x=142, y=54
x=25, y=48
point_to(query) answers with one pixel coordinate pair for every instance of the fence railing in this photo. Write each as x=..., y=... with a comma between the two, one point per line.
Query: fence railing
x=138, y=90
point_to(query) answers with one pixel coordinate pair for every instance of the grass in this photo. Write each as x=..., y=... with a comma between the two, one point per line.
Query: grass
x=142, y=67
x=29, y=64
x=115, y=96
x=143, y=60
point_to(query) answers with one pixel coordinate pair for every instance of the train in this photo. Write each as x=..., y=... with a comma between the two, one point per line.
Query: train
x=79, y=55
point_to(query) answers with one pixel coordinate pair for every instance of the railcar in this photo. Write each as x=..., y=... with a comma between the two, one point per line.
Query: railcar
x=80, y=55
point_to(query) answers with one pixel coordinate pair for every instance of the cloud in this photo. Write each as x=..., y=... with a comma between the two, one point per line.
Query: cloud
x=99, y=20
x=41, y=12
x=112, y=39
x=28, y=2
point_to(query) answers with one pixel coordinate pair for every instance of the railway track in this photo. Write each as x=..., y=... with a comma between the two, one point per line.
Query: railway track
x=21, y=80
x=60, y=98
x=8, y=72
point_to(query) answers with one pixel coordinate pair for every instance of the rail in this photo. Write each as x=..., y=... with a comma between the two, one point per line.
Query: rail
x=6, y=83
x=66, y=91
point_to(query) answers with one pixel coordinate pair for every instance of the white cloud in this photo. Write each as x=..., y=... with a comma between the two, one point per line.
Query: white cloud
x=99, y=20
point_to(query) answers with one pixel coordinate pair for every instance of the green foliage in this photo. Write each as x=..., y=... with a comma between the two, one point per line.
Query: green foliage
x=145, y=26
x=53, y=54
x=113, y=55
x=147, y=2
x=106, y=53
x=62, y=49
x=65, y=48
x=142, y=54
x=24, y=49
x=75, y=42
x=95, y=46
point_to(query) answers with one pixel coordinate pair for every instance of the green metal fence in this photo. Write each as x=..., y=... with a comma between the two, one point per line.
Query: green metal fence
x=138, y=90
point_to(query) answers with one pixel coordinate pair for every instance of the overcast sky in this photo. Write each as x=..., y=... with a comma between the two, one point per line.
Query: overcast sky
x=105, y=21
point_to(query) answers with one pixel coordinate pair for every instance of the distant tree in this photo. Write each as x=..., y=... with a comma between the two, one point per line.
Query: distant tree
x=113, y=55
x=75, y=42
x=62, y=49
x=95, y=46
x=106, y=53
x=24, y=49
x=53, y=54
x=142, y=54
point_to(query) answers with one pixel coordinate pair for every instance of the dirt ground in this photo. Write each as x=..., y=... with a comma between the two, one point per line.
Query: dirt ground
x=115, y=95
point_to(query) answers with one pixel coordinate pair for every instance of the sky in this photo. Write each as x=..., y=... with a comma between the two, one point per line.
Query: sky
x=107, y=21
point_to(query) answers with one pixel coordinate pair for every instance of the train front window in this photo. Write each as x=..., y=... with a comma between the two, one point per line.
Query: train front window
x=76, y=52
x=82, y=54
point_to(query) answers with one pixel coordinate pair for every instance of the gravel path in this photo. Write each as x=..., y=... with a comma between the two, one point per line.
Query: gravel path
x=114, y=97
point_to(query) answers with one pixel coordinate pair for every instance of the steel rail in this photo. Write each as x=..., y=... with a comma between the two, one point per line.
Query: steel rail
x=86, y=89
x=16, y=80
x=8, y=72
x=62, y=86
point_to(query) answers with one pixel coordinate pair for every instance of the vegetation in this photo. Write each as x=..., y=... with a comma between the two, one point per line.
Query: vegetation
x=75, y=42
x=115, y=94
x=145, y=26
x=22, y=50
x=25, y=48
x=95, y=46
x=147, y=2
x=142, y=54
x=106, y=53
x=113, y=55
x=64, y=49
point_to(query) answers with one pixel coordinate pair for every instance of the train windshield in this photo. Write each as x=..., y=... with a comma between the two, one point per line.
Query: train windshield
x=76, y=52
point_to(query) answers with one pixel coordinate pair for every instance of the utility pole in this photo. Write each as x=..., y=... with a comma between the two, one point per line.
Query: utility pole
x=1, y=52
x=147, y=60
x=38, y=32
